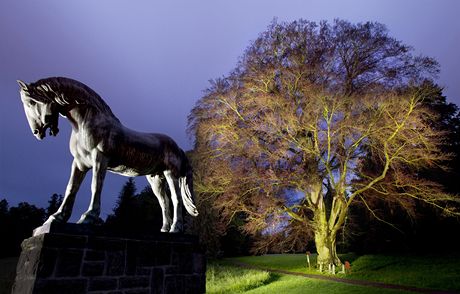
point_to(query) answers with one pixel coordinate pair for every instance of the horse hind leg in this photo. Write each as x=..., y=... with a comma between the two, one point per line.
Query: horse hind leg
x=177, y=225
x=157, y=188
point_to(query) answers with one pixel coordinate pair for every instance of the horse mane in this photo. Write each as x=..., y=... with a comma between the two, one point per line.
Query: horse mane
x=66, y=91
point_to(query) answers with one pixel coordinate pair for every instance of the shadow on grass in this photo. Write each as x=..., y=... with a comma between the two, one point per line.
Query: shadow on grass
x=273, y=277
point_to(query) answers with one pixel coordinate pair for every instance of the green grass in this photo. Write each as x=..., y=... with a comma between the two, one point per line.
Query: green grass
x=7, y=274
x=222, y=277
x=436, y=272
x=294, y=285
x=426, y=272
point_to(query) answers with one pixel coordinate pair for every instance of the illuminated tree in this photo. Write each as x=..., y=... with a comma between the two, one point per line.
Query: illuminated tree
x=313, y=118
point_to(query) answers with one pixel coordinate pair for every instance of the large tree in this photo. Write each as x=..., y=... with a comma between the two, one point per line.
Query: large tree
x=314, y=117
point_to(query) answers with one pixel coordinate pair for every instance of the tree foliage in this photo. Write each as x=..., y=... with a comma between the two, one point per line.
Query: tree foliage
x=135, y=213
x=313, y=118
x=53, y=204
x=17, y=224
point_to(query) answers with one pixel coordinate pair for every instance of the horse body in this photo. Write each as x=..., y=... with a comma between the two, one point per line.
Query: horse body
x=100, y=142
x=129, y=153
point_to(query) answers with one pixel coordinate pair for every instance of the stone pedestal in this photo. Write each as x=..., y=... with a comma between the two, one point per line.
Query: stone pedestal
x=72, y=259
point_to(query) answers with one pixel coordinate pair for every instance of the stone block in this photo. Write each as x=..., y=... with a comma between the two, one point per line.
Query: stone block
x=115, y=263
x=143, y=271
x=56, y=262
x=195, y=284
x=60, y=286
x=106, y=243
x=174, y=284
x=69, y=263
x=183, y=262
x=157, y=281
x=64, y=241
x=137, y=291
x=95, y=255
x=102, y=284
x=92, y=269
x=48, y=261
x=198, y=263
x=134, y=282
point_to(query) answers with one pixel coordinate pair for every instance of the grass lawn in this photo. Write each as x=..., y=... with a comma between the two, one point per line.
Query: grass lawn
x=436, y=272
x=7, y=274
x=222, y=277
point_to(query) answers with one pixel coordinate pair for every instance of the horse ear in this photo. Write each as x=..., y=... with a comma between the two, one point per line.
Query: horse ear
x=22, y=85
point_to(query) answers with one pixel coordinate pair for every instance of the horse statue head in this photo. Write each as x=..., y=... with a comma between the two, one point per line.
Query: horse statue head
x=41, y=109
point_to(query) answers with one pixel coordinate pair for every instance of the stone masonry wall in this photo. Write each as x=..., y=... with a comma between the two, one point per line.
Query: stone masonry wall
x=67, y=264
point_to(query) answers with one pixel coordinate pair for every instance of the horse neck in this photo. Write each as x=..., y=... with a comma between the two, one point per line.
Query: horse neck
x=81, y=115
x=81, y=105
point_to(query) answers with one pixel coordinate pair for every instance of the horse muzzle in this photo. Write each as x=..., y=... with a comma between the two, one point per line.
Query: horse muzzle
x=40, y=133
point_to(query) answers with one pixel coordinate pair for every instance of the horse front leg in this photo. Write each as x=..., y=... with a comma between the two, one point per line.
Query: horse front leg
x=177, y=225
x=91, y=216
x=65, y=210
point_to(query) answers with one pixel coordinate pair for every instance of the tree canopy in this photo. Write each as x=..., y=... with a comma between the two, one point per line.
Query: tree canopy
x=313, y=118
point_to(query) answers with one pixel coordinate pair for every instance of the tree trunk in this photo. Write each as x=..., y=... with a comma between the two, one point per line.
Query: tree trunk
x=325, y=238
x=325, y=241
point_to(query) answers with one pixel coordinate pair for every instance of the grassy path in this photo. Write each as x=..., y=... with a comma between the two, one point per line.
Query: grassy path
x=346, y=281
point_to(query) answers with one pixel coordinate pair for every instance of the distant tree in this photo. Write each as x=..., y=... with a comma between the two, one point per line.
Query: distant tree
x=3, y=207
x=53, y=204
x=135, y=213
x=332, y=112
x=4, y=227
x=149, y=216
x=21, y=221
x=125, y=209
x=448, y=123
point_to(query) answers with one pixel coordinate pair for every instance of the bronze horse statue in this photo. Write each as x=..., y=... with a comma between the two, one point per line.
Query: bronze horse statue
x=99, y=141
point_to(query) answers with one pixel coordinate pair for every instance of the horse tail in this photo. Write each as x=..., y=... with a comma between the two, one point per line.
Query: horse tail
x=186, y=188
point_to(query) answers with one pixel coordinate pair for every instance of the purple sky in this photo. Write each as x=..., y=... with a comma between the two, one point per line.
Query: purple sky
x=150, y=61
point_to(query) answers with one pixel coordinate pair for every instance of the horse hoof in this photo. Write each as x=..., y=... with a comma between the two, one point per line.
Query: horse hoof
x=52, y=219
x=175, y=230
x=87, y=219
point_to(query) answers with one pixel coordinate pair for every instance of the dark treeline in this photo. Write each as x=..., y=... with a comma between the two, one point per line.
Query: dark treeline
x=134, y=214
x=139, y=213
x=18, y=222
